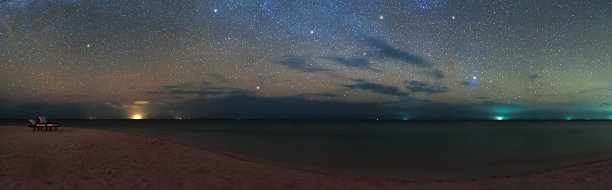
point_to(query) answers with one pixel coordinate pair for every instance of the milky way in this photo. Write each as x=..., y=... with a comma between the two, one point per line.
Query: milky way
x=360, y=59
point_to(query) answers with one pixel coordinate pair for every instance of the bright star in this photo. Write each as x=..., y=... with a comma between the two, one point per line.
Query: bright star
x=215, y=10
x=88, y=45
x=257, y=87
x=381, y=17
x=311, y=31
x=453, y=17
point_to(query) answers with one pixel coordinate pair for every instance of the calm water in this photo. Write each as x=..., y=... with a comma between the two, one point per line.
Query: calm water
x=413, y=149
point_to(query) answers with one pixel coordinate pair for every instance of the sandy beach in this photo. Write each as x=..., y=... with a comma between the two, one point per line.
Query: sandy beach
x=76, y=158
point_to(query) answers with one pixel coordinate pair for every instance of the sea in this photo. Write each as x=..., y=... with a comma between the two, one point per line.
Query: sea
x=387, y=149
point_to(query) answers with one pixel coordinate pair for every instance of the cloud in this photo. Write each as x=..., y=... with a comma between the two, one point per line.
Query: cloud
x=376, y=88
x=301, y=63
x=51, y=110
x=604, y=104
x=201, y=92
x=330, y=95
x=196, y=88
x=292, y=107
x=300, y=107
x=386, y=50
x=220, y=77
x=416, y=86
x=170, y=86
x=60, y=111
x=534, y=76
x=356, y=62
x=436, y=73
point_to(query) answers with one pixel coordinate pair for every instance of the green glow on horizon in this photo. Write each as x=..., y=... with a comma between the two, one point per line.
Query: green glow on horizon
x=499, y=118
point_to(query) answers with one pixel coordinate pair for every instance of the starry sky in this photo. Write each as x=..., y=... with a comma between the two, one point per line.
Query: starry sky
x=306, y=59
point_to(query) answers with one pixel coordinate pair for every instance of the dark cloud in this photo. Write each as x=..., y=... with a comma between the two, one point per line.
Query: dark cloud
x=301, y=63
x=200, y=92
x=416, y=86
x=386, y=50
x=294, y=107
x=103, y=111
x=300, y=107
x=375, y=87
x=169, y=87
x=220, y=77
x=182, y=85
x=331, y=95
x=436, y=73
x=604, y=104
x=51, y=110
x=60, y=111
x=534, y=76
x=490, y=102
x=201, y=89
x=356, y=62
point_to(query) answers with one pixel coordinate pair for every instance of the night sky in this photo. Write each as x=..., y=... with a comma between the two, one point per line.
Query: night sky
x=310, y=59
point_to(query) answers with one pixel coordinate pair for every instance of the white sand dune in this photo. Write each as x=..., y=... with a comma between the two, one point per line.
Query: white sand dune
x=75, y=158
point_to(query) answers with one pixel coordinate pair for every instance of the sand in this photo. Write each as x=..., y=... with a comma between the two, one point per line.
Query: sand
x=76, y=158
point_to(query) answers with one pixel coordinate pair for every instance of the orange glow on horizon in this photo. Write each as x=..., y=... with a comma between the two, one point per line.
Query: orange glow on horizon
x=141, y=102
x=136, y=116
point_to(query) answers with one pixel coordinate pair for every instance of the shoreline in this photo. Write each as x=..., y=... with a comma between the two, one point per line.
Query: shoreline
x=343, y=173
x=168, y=158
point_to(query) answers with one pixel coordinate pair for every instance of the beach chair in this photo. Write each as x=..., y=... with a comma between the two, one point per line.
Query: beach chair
x=48, y=125
x=36, y=125
x=42, y=123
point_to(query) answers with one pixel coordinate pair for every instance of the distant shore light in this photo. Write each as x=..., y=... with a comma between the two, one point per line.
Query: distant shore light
x=136, y=116
x=499, y=118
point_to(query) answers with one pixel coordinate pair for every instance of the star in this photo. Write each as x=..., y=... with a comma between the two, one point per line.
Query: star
x=304, y=49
